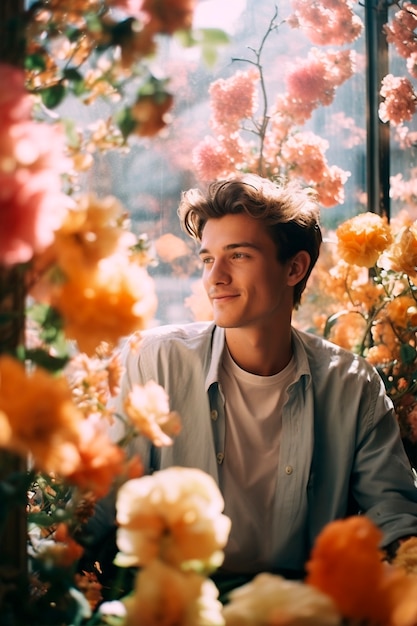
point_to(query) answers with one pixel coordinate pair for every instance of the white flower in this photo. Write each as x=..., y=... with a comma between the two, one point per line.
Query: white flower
x=165, y=596
x=274, y=601
x=175, y=515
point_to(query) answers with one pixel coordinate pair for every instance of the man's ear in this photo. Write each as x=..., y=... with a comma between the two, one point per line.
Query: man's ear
x=298, y=267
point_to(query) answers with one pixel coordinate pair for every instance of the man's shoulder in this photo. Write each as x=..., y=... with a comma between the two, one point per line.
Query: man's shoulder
x=189, y=334
x=322, y=352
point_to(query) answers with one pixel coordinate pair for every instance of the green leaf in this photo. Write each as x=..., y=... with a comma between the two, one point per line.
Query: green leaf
x=408, y=354
x=45, y=360
x=53, y=96
x=331, y=321
x=125, y=122
x=76, y=81
x=213, y=36
x=35, y=61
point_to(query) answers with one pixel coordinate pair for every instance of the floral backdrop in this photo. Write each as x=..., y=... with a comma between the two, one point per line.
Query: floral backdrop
x=75, y=282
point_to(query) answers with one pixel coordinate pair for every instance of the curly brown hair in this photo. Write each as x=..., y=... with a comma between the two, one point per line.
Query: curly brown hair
x=289, y=212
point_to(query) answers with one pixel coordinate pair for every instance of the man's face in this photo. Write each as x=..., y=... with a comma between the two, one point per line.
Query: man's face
x=245, y=282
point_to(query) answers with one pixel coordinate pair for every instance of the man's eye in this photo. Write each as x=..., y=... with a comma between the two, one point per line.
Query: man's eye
x=239, y=255
x=206, y=260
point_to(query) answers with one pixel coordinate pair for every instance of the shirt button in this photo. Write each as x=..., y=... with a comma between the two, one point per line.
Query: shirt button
x=220, y=457
x=288, y=470
x=214, y=415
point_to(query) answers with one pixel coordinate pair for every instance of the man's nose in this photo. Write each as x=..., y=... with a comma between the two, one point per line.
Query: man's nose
x=219, y=273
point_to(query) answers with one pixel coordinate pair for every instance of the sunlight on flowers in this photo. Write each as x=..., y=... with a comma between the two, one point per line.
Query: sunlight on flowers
x=175, y=515
x=147, y=407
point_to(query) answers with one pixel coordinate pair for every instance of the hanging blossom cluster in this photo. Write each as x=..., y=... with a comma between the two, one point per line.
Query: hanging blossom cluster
x=372, y=314
x=326, y=22
x=250, y=135
x=400, y=98
x=399, y=104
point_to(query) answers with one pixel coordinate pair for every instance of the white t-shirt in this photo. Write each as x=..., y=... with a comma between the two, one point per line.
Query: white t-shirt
x=253, y=408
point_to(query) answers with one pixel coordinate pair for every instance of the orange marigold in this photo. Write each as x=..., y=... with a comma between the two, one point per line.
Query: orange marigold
x=362, y=239
x=37, y=416
x=346, y=564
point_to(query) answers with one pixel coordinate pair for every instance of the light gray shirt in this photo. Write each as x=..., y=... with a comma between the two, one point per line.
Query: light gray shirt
x=340, y=448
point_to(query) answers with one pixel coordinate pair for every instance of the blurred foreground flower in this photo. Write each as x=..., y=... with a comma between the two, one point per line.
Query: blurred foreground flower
x=148, y=409
x=272, y=600
x=32, y=205
x=166, y=595
x=175, y=515
x=346, y=564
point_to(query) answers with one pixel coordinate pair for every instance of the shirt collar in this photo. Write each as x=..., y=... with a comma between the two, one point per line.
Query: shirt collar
x=217, y=346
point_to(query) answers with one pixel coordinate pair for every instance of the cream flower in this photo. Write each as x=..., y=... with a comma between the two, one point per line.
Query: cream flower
x=148, y=408
x=186, y=599
x=272, y=600
x=175, y=515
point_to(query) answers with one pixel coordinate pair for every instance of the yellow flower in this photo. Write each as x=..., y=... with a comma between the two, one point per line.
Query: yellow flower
x=272, y=600
x=148, y=408
x=362, y=239
x=175, y=515
x=186, y=598
x=105, y=304
x=37, y=416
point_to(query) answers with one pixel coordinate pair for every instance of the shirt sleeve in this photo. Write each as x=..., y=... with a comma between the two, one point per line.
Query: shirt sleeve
x=383, y=483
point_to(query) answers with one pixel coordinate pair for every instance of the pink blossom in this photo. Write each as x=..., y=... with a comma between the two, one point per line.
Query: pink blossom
x=330, y=188
x=400, y=100
x=15, y=102
x=299, y=111
x=400, y=31
x=235, y=98
x=412, y=64
x=211, y=160
x=326, y=22
x=314, y=81
x=304, y=154
x=31, y=161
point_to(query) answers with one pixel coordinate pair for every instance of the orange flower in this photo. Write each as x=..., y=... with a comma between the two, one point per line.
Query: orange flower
x=402, y=311
x=171, y=15
x=37, y=416
x=100, y=461
x=105, y=304
x=362, y=239
x=150, y=113
x=346, y=564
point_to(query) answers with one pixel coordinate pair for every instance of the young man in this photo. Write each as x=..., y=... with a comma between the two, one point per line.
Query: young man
x=296, y=431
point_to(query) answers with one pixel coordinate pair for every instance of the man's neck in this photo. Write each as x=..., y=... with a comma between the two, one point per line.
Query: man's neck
x=259, y=352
